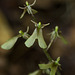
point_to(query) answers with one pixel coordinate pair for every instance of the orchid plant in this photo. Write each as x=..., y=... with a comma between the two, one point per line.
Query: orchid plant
x=51, y=68
x=28, y=8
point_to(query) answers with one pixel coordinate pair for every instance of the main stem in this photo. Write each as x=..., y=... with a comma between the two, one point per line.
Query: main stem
x=47, y=55
x=49, y=58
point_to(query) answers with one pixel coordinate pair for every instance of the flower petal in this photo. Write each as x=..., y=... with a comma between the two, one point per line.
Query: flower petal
x=34, y=11
x=22, y=15
x=30, y=41
x=43, y=25
x=37, y=72
x=41, y=40
x=10, y=43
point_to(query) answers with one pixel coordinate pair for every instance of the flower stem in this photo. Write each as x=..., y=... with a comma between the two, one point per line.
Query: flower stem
x=47, y=55
x=50, y=59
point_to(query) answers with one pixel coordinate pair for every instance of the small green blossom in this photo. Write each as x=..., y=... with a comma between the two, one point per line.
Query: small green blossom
x=52, y=65
x=20, y=31
x=37, y=34
x=25, y=35
x=55, y=34
x=28, y=8
x=10, y=43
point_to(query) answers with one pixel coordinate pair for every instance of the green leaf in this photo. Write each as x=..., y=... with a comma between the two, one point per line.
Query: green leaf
x=30, y=41
x=10, y=43
x=37, y=72
x=41, y=40
x=23, y=13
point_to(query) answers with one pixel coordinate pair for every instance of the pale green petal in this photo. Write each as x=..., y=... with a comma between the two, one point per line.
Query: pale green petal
x=34, y=11
x=30, y=41
x=33, y=3
x=63, y=39
x=43, y=25
x=10, y=43
x=34, y=23
x=29, y=10
x=37, y=72
x=41, y=40
x=53, y=70
x=45, y=66
x=22, y=15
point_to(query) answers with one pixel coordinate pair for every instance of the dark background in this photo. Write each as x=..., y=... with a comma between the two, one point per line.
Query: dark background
x=20, y=60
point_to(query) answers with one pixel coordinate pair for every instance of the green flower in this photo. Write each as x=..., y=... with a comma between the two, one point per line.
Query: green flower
x=28, y=8
x=11, y=42
x=55, y=34
x=37, y=34
x=53, y=66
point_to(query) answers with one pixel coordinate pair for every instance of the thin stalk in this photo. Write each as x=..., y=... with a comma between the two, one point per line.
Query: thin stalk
x=50, y=43
x=50, y=59
x=47, y=55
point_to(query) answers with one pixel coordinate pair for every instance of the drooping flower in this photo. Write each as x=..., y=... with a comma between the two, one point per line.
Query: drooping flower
x=55, y=34
x=37, y=34
x=11, y=42
x=53, y=66
x=28, y=8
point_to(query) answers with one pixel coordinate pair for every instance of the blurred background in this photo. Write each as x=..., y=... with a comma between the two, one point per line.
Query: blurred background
x=21, y=60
